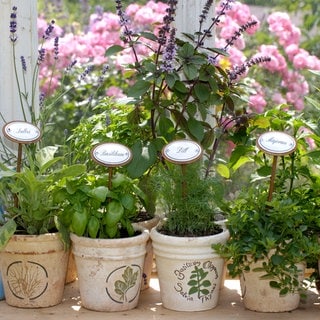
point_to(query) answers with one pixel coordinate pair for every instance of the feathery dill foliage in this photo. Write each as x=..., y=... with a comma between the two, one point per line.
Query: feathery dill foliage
x=189, y=200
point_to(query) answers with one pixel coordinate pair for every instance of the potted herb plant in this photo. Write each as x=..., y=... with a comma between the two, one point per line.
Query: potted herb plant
x=119, y=122
x=188, y=95
x=189, y=271
x=274, y=222
x=34, y=256
x=98, y=210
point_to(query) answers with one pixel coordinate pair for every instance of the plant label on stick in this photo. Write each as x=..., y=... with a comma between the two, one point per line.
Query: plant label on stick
x=111, y=154
x=276, y=143
x=182, y=151
x=21, y=132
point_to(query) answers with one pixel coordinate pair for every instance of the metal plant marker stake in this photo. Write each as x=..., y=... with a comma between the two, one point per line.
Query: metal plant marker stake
x=110, y=155
x=182, y=152
x=21, y=132
x=276, y=143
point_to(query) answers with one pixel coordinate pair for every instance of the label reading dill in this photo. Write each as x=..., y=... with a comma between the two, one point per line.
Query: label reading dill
x=182, y=151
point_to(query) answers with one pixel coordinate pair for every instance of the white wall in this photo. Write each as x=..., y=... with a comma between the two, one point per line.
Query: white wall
x=187, y=19
x=26, y=45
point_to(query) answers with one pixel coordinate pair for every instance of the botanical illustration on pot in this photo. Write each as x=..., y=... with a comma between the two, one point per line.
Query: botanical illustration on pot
x=197, y=280
x=33, y=270
x=27, y=279
x=122, y=284
x=189, y=271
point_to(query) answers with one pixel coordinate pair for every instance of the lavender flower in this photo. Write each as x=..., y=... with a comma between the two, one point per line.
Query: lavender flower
x=41, y=56
x=226, y=5
x=49, y=30
x=237, y=71
x=85, y=73
x=205, y=11
x=202, y=35
x=71, y=65
x=124, y=22
x=123, y=17
x=239, y=32
x=169, y=53
x=13, y=24
x=212, y=60
x=167, y=20
x=23, y=63
x=102, y=76
x=41, y=99
x=56, y=48
x=99, y=11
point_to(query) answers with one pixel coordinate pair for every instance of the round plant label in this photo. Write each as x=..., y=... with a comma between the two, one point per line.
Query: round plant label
x=276, y=143
x=111, y=154
x=182, y=151
x=21, y=132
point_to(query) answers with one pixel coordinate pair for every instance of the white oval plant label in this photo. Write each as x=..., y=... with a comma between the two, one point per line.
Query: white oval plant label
x=276, y=143
x=21, y=132
x=182, y=151
x=111, y=154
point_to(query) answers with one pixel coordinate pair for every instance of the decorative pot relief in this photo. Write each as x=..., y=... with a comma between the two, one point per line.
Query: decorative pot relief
x=126, y=289
x=195, y=280
x=27, y=280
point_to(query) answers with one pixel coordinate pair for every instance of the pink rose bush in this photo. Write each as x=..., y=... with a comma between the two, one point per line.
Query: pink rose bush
x=288, y=61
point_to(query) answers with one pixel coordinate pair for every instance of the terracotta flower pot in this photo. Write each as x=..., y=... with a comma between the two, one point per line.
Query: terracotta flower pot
x=34, y=270
x=148, y=263
x=110, y=271
x=189, y=271
x=258, y=296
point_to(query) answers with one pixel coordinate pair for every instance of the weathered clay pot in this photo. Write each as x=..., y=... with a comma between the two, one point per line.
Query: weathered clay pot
x=71, y=270
x=258, y=296
x=34, y=270
x=189, y=270
x=148, y=263
x=110, y=271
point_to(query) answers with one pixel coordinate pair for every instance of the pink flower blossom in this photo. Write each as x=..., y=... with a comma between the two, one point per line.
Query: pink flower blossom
x=281, y=25
x=114, y=92
x=278, y=98
x=257, y=102
x=240, y=13
x=278, y=62
x=291, y=50
x=237, y=56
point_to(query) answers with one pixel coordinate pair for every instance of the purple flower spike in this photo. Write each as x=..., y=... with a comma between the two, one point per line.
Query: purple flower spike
x=13, y=24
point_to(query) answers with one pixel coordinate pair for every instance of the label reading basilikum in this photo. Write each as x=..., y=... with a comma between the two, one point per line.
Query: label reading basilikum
x=111, y=154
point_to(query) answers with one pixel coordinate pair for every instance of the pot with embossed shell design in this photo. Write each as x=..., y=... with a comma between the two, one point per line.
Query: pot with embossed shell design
x=189, y=270
x=110, y=271
x=33, y=270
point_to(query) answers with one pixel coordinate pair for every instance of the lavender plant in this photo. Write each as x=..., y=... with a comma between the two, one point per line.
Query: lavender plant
x=76, y=85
